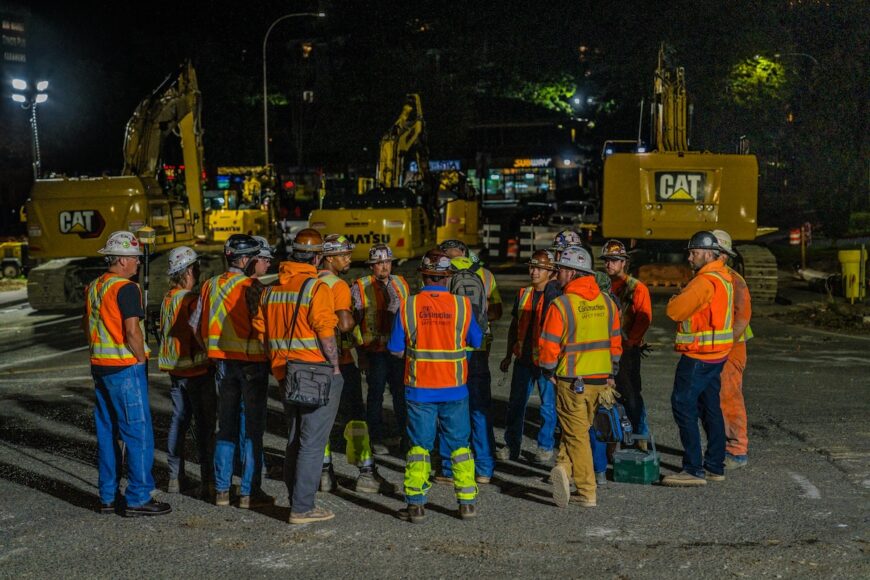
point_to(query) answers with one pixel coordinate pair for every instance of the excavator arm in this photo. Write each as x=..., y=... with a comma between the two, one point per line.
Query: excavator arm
x=406, y=132
x=670, y=106
x=174, y=107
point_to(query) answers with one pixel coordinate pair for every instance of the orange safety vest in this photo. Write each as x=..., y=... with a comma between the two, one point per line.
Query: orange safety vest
x=741, y=296
x=436, y=324
x=225, y=320
x=105, y=326
x=527, y=317
x=375, y=324
x=180, y=354
x=345, y=343
x=585, y=339
x=710, y=330
x=277, y=305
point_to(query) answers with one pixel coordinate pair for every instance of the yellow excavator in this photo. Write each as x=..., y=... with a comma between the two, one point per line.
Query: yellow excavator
x=670, y=193
x=402, y=208
x=68, y=219
x=249, y=210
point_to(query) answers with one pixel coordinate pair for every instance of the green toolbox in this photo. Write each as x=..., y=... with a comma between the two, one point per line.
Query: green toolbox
x=635, y=465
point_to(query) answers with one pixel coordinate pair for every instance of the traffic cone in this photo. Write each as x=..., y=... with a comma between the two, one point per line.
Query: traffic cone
x=513, y=249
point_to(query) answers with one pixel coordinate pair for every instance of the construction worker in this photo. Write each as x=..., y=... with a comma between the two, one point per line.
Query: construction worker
x=731, y=394
x=336, y=261
x=376, y=300
x=479, y=376
x=431, y=332
x=579, y=350
x=297, y=321
x=522, y=343
x=704, y=312
x=191, y=382
x=224, y=318
x=259, y=267
x=119, y=357
x=635, y=313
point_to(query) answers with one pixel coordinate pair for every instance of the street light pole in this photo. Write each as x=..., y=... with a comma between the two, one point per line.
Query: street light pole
x=30, y=96
x=265, y=89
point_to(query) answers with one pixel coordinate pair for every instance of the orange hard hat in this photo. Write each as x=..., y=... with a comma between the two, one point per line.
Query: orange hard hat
x=543, y=259
x=308, y=240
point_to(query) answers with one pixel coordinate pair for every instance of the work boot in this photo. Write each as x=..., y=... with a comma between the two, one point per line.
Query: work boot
x=561, y=485
x=733, y=462
x=505, y=454
x=327, y=479
x=414, y=513
x=642, y=445
x=380, y=449
x=370, y=481
x=683, y=479
x=583, y=501
x=222, y=498
x=715, y=476
x=318, y=514
x=173, y=487
x=467, y=511
x=445, y=479
x=149, y=508
x=543, y=455
x=482, y=479
x=257, y=499
x=601, y=478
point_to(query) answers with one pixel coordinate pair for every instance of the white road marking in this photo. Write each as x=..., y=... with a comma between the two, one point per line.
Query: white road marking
x=810, y=491
x=43, y=357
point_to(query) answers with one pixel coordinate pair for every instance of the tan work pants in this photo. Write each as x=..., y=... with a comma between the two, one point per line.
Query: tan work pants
x=575, y=412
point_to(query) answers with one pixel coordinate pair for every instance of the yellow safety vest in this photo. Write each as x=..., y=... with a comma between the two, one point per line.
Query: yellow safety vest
x=587, y=329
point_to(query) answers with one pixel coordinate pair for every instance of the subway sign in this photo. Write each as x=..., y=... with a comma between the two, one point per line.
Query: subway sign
x=680, y=186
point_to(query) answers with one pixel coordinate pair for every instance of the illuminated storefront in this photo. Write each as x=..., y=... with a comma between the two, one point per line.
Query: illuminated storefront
x=519, y=178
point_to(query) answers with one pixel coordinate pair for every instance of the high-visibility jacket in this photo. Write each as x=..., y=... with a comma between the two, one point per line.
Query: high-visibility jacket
x=436, y=325
x=341, y=298
x=225, y=321
x=180, y=354
x=376, y=320
x=707, y=333
x=742, y=305
x=581, y=334
x=527, y=318
x=105, y=325
x=635, y=309
x=316, y=318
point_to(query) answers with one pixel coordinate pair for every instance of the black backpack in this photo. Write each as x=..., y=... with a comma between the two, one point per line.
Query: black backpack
x=467, y=283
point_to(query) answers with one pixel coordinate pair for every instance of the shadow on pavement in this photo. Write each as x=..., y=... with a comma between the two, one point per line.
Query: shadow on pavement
x=54, y=487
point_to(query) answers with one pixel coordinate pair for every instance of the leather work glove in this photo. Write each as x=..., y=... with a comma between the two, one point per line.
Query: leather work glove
x=608, y=396
x=645, y=349
x=505, y=364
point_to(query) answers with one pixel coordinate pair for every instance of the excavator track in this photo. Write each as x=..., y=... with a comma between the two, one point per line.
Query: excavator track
x=757, y=265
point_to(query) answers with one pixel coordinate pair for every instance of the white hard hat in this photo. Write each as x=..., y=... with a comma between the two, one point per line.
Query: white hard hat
x=724, y=239
x=566, y=238
x=266, y=250
x=179, y=259
x=380, y=253
x=121, y=244
x=576, y=258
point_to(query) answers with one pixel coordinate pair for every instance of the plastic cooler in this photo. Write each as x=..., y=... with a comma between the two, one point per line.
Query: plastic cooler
x=636, y=466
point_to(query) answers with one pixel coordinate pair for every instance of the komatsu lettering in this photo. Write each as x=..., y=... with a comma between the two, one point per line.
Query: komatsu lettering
x=369, y=238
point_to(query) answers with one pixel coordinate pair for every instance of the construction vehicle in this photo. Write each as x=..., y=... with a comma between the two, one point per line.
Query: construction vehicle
x=68, y=219
x=13, y=259
x=248, y=209
x=402, y=208
x=459, y=208
x=669, y=193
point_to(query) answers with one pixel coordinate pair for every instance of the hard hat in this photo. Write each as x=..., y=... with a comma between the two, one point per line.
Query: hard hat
x=380, y=253
x=614, y=249
x=337, y=244
x=543, y=259
x=723, y=238
x=576, y=258
x=451, y=244
x=308, y=240
x=704, y=241
x=435, y=263
x=567, y=238
x=179, y=259
x=266, y=250
x=239, y=245
x=121, y=244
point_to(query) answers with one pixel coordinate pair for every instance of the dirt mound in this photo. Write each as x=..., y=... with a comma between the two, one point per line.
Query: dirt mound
x=853, y=318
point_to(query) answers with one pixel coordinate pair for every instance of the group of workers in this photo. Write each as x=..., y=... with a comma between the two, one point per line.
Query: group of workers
x=577, y=334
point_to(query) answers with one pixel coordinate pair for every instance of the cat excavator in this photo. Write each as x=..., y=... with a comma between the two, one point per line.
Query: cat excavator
x=68, y=219
x=667, y=194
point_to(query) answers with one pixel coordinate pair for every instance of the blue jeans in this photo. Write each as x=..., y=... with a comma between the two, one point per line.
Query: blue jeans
x=523, y=382
x=238, y=381
x=449, y=419
x=385, y=368
x=122, y=411
x=599, y=452
x=696, y=395
x=193, y=398
x=628, y=383
x=480, y=405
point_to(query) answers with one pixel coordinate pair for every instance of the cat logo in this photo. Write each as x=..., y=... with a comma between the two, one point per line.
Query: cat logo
x=680, y=186
x=86, y=223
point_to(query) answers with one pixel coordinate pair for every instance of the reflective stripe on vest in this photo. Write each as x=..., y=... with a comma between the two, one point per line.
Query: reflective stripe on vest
x=704, y=332
x=374, y=307
x=222, y=337
x=588, y=327
x=445, y=367
x=747, y=334
x=346, y=341
x=106, y=329
x=290, y=344
x=526, y=317
x=173, y=354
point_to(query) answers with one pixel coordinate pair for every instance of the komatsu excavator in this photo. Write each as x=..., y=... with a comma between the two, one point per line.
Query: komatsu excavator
x=670, y=193
x=68, y=219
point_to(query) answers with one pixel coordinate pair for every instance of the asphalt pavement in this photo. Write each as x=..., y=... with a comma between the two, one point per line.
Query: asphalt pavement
x=800, y=509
